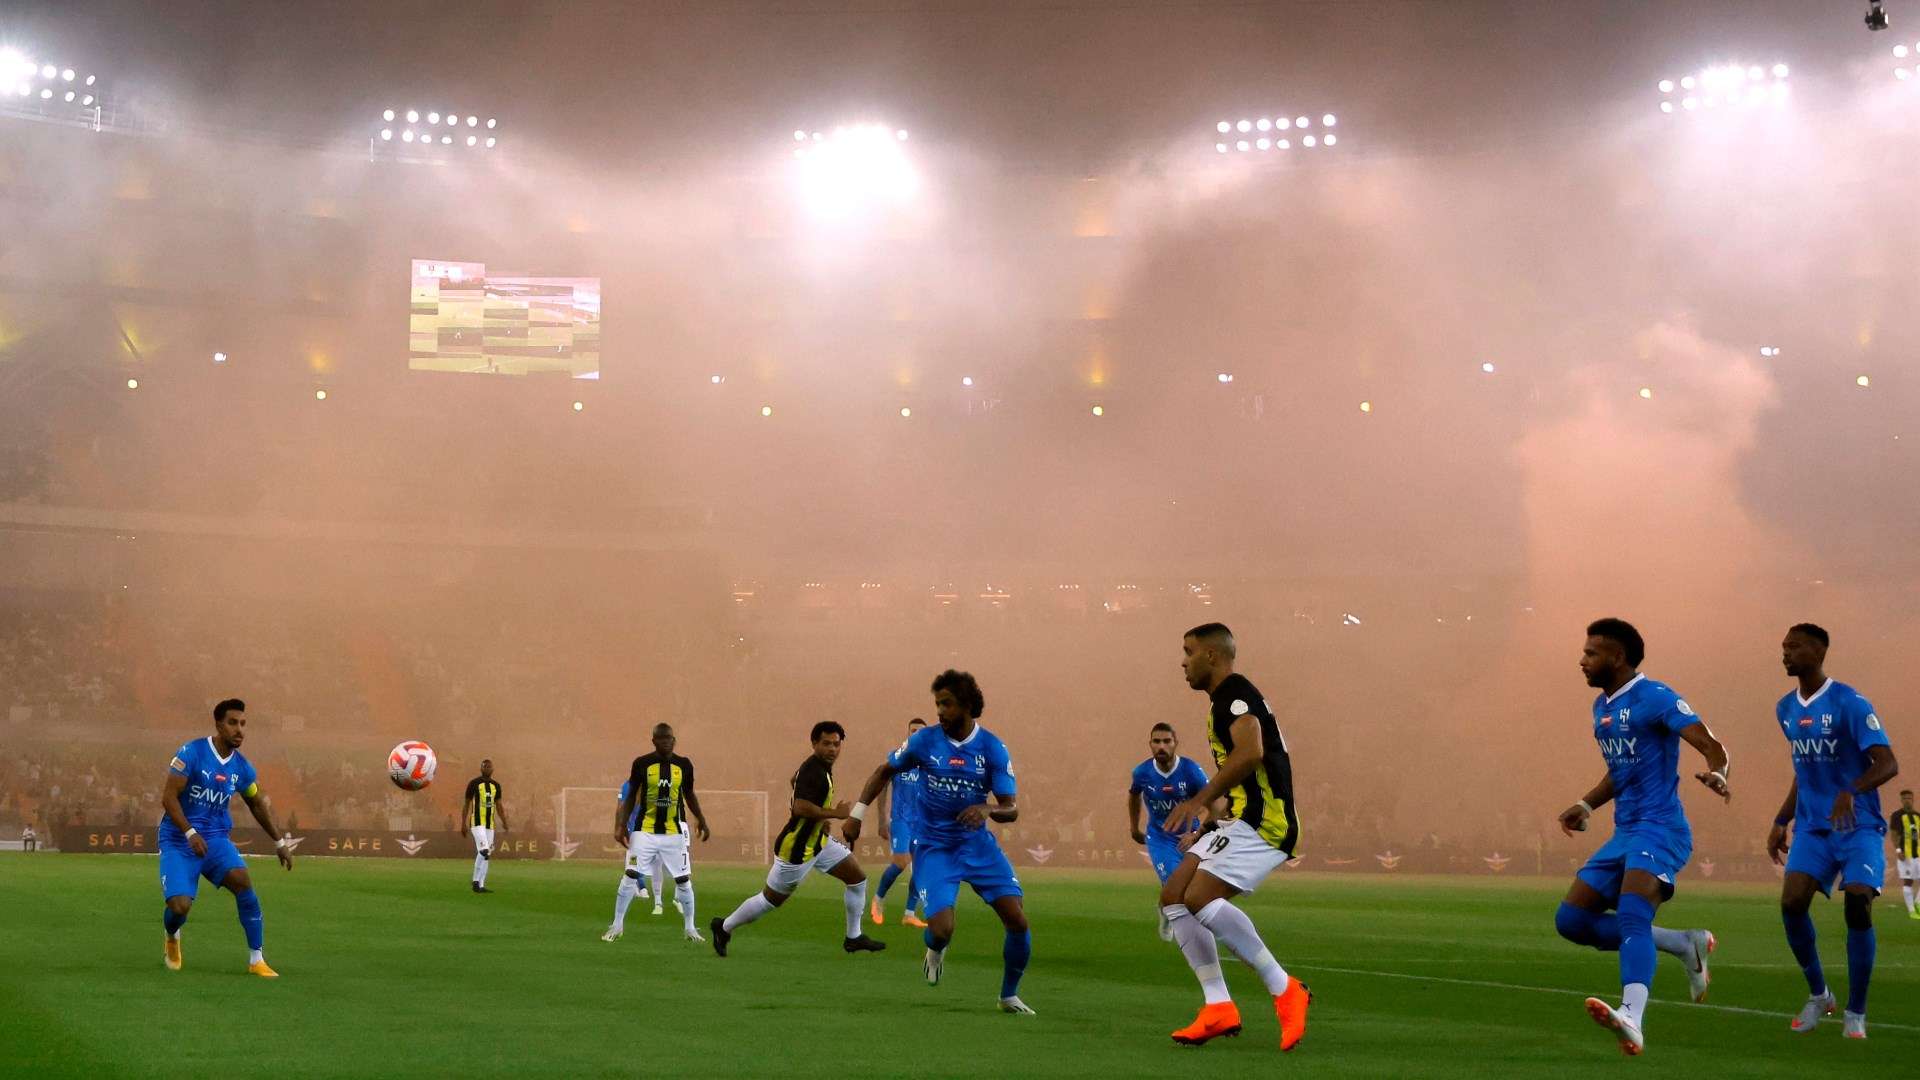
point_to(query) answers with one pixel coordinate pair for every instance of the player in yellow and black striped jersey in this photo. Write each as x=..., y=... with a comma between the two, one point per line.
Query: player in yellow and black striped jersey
x=652, y=825
x=1903, y=825
x=480, y=814
x=805, y=845
x=1257, y=836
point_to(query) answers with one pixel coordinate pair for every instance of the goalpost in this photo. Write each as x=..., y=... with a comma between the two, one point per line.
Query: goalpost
x=583, y=824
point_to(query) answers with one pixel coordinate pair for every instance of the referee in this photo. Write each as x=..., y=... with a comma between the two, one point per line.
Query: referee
x=479, y=812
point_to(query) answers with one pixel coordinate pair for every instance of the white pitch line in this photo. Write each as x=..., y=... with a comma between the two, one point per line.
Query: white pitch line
x=1562, y=990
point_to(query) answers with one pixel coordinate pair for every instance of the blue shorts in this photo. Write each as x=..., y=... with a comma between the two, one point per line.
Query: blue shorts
x=1660, y=852
x=1854, y=857
x=181, y=870
x=902, y=833
x=977, y=861
x=1165, y=854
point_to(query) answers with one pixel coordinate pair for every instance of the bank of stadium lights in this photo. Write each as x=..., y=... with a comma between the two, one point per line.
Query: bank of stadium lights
x=1487, y=368
x=1863, y=382
x=36, y=84
x=1224, y=377
x=411, y=127
x=1270, y=133
x=966, y=380
x=1905, y=67
x=219, y=358
x=1737, y=86
x=854, y=166
x=1769, y=350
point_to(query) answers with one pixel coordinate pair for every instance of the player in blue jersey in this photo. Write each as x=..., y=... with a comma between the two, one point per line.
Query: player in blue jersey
x=1840, y=758
x=202, y=780
x=1639, y=725
x=898, y=830
x=1163, y=781
x=962, y=765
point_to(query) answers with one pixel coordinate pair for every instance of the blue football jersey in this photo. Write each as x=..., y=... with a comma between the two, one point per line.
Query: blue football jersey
x=212, y=782
x=1162, y=791
x=1638, y=730
x=1829, y=735
x=633, y=816
x=904, y=797
x=954, y=776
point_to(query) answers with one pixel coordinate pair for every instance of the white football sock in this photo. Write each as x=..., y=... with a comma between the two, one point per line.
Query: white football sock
x=255, y=956
x=1231, y=925
x=659, y=879
x=1203, y=956
x=1673, y=942
x=683, y=895
x=1633, y=1002
x=856, y=907
x=750, y=909
x=480, y=869
x=622, y=899
x=1907, y=891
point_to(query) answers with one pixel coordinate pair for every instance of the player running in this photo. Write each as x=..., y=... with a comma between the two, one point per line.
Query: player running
x=1638, y=724
x=202, y=780
x=961, y=765
x=1254, y=774
x=1163, y=780
x=898, y=830
x=1840, y=758
x=1906, y=848
x=480, y=813
x=805, y=845
x=652, y=825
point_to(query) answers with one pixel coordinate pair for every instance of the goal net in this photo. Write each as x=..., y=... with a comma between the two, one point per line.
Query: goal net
x=583, y=825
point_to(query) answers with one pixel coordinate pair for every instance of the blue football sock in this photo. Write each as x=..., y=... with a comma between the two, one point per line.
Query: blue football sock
x=1800, y=938
x=172, y=922
x=1861, y=946
x=913, y=894
x=887, y=878
x=250, y=919
x=1015, y=954
x=1582, y=927
x=1637, y=953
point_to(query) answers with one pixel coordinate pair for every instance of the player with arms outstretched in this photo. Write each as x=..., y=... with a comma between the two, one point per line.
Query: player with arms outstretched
x=897, y=828
x=962, y=765
x=804, y=845
x=202, y=780
x=1162, y=782
x=1254, y=774
x=1841, y=756
x=1639, y=725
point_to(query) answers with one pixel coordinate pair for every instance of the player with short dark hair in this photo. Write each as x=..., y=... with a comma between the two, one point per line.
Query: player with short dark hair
x=1162, y=782
x=1638, y=724
x=202, y=780
x=480, y=813
x=1253, y=772
x=1841, y=756
x=963, y=765
x=898, y=828
x=805, y=845
x=652, y=825
x=1904, y=826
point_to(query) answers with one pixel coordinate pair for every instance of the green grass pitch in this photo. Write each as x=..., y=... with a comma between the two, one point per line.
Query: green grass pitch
x=394, y=968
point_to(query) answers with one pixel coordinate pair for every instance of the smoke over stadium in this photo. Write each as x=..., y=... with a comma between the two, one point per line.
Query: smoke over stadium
x=516, y=378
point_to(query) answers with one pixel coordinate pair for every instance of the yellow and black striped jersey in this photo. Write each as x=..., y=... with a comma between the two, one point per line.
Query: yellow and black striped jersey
x=802, y=838
x=660, y=784
x=1264, y=799
x=1904, y=826
x=484, y=794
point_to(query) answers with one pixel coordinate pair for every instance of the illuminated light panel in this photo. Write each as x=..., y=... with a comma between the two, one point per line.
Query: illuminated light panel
x=1274, y=124
x=1099, y=410
x=384, y=131
x=905, y=413
x=134, y=384
x=319, y=395
x=579, y=405
x=1366, y=406
x=1646, y=392
x=1225, y=377
x=1863, y=382
x=219, y=358
x=1741, y=86
x=766, y=410
x=1487, y=367
x=853, y=168
x=1769, y=350
x=966, y=380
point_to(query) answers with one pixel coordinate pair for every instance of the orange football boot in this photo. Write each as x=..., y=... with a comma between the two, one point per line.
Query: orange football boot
x=1291, y=1007
x=1213, y=1022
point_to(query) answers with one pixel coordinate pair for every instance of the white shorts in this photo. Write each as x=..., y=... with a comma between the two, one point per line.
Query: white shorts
x=670, y=851
x=482, y=838
x=1237, y=854
x=1907, y=869
x=786, y=877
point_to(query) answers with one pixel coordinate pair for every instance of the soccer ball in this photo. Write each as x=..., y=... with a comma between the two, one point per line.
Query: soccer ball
x=411, y=765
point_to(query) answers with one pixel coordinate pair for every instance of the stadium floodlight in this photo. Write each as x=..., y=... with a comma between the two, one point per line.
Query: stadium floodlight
x=383, y=132
x=1900, y=71
x=1319, y=135
x=966, y=380
x=1225, y=377
x=855, y=166
x=1743, y=86
x=1863, y=382
x=413, y=116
